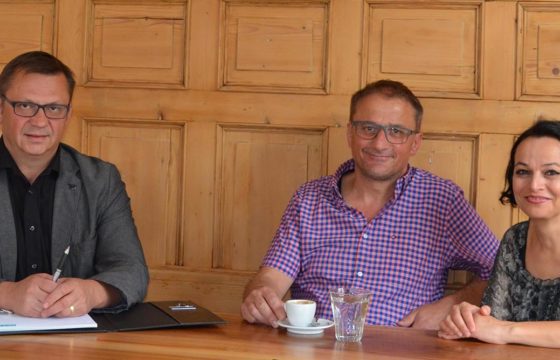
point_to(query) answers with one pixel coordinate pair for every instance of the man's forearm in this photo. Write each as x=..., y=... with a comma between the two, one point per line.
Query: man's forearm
x=472, y=292
x=103, y=295
x=271, y=278
x=260, y=280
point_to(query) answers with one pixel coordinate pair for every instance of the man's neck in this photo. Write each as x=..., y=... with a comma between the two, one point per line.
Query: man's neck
x=366, y=195
x=31, y=166
x=31, y=171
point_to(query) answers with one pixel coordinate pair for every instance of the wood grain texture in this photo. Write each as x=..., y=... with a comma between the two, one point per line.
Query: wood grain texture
x=241, y=341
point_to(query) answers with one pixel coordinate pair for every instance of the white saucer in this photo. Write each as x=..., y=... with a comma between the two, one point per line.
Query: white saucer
x=316, y=327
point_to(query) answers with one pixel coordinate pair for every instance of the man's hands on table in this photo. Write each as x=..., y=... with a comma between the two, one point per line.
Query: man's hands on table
x=262, y=305
x=39, y=296
x=262, y=299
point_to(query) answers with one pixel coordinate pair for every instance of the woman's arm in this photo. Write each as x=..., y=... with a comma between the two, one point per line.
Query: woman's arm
x=534, y=333
x=491, y=330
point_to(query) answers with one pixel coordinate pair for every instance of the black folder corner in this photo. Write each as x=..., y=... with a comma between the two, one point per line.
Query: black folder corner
x=156, y=315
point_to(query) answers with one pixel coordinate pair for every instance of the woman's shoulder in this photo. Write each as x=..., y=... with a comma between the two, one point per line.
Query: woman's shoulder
x=516, y=235
x=512, y=245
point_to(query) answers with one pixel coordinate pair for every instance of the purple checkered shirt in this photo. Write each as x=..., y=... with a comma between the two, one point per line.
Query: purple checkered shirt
x=403, y=255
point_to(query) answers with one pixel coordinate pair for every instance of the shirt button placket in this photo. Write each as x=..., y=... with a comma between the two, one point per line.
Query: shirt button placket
x=359, y=264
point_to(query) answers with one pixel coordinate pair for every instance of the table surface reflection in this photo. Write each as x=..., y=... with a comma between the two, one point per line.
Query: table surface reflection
x=239, y=340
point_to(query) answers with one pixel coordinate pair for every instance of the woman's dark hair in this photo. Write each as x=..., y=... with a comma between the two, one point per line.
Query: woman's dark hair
x=542, y=128
x=35, y=62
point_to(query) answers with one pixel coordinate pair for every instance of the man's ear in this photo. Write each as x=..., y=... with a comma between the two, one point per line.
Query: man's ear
x=349, y=133
x=416, y=142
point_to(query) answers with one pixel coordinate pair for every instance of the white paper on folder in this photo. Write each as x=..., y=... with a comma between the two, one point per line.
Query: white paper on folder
x=13, y=323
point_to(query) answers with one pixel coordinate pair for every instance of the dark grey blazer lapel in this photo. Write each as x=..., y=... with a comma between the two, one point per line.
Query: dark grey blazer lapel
x=65, y=212
x=8, y=241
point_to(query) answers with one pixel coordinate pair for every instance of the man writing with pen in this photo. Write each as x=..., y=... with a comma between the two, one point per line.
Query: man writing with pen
x=59, y=208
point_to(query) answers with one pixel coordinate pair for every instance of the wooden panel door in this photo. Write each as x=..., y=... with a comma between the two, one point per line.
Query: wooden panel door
x=215, y=111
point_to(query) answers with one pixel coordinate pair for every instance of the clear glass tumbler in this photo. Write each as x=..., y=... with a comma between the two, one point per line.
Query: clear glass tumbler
x=349, y=306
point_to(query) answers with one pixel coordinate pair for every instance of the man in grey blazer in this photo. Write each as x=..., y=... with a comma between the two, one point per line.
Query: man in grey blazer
x=52, y=197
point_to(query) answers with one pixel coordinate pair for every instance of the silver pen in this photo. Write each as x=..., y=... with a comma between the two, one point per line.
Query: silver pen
x=60, y=265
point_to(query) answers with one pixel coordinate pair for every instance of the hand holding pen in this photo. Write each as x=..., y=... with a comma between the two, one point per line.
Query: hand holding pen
x=36, y=288
x=60, y=265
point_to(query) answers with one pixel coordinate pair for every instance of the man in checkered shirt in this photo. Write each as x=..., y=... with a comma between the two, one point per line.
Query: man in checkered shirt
x=377, y=223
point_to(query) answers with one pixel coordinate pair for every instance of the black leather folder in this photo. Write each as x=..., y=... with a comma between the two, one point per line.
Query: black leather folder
x=156, y=315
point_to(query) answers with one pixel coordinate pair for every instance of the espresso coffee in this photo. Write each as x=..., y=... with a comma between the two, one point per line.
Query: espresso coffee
x=300, y=312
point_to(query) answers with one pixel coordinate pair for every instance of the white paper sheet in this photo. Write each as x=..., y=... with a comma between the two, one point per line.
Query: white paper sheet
x=12, y=323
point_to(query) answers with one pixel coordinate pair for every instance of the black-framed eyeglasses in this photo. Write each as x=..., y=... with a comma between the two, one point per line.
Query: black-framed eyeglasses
x=394, y=134
x=30, y=109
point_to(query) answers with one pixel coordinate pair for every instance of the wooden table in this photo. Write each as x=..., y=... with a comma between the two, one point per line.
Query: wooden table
x=239, y=340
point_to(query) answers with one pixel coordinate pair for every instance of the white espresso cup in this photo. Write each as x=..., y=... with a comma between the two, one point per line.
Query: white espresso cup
x=300, y=312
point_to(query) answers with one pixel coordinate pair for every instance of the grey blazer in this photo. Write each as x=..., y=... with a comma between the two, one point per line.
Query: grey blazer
x=92, y=214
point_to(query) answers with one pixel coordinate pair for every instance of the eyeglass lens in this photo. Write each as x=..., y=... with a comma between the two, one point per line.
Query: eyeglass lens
x=393, y=134
x=30, y=109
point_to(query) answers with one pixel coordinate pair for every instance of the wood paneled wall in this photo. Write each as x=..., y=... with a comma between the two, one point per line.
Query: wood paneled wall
x=215, y=111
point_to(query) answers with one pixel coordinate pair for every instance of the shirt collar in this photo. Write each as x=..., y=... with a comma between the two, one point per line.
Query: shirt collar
x=349, y=166
x=404, y=180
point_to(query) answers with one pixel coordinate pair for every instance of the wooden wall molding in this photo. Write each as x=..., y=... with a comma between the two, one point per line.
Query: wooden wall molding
x=25, y=26
x=141, y=44
x=214, y=127
x=258, y=170
x=150, y=157
x=538, y=51
x=451, y=156
x=275, y=46
x=444, y=40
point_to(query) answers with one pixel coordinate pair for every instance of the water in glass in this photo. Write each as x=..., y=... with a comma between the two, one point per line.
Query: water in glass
x=349, y=308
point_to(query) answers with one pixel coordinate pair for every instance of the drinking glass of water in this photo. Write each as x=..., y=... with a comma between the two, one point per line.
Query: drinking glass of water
x=349, y=306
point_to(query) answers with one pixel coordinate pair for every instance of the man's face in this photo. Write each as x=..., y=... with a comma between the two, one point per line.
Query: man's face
x=376, y=159
x=36, y=138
